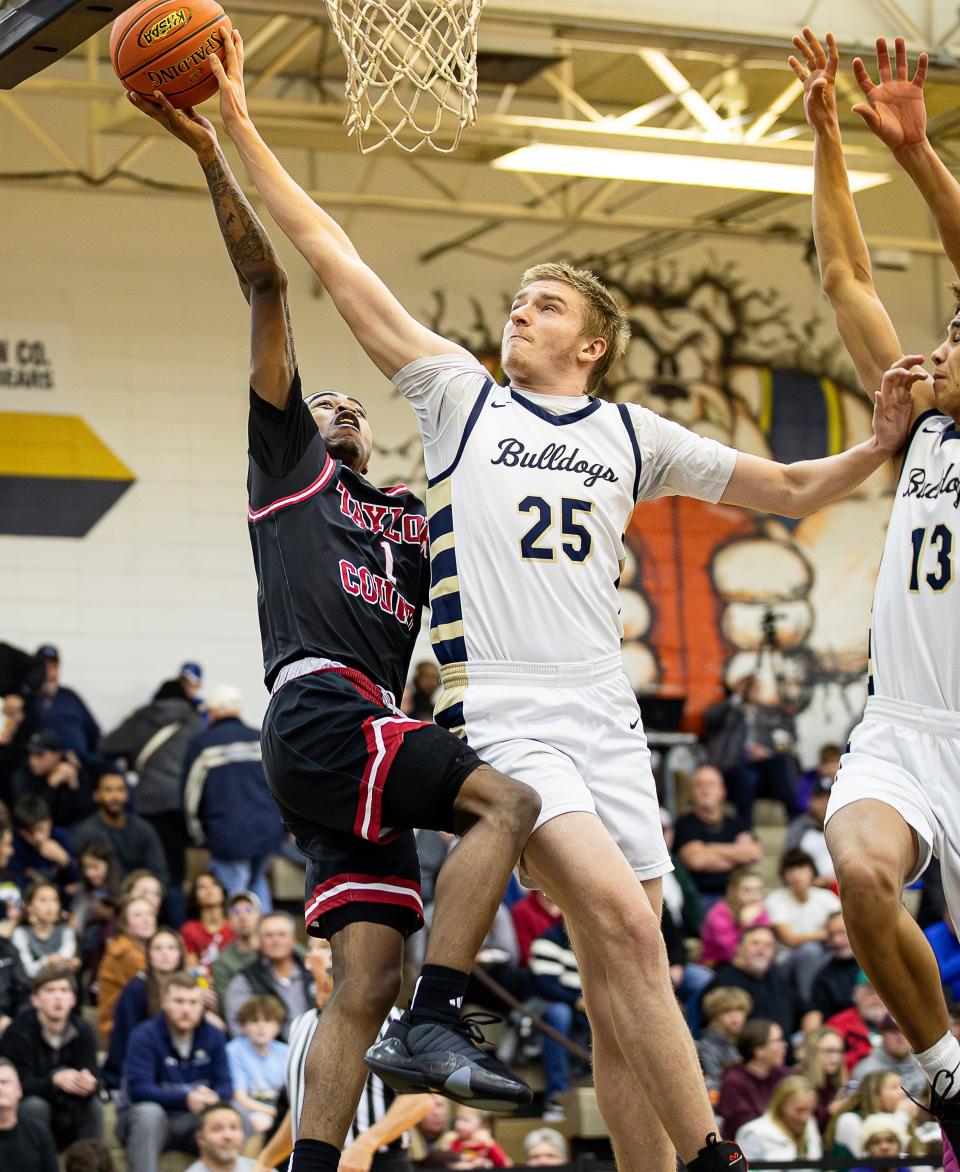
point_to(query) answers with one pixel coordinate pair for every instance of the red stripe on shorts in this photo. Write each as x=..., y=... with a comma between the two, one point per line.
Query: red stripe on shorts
x=353, y=888
x=384, y=736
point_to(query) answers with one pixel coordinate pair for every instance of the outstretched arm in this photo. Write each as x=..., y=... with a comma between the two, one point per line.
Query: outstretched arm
x=896, y=113
x=796, y=490
x=258, y=268
x=845, y=272
x=390, y=336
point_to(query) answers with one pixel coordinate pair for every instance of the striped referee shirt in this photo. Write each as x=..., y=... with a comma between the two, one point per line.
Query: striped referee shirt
x=376, y=1097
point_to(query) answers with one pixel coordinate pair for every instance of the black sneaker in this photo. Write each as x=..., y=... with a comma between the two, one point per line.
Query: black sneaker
x=947, y=1113
x=446, y=1059
x=719, y=1155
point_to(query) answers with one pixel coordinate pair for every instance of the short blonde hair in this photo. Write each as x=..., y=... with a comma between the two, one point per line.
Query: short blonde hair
x=725, y=998
x=604, y=317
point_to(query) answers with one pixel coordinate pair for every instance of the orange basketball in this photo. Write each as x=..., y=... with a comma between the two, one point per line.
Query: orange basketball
x=164, y=45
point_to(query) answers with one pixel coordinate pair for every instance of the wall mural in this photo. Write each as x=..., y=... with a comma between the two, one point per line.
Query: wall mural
x=710, y=592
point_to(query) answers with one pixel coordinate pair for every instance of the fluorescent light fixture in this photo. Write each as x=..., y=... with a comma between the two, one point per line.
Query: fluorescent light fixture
x=692, y=170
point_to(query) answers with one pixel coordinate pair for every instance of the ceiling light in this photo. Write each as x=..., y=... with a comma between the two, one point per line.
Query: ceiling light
x=693, y=170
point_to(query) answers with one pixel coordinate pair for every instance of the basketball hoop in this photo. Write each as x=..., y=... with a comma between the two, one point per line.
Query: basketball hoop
x=411, y=70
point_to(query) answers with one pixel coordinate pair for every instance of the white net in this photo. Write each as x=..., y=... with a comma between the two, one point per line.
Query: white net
x=411, y=70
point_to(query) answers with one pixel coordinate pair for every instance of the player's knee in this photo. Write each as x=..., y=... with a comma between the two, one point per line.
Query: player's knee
x=866, y=880
x=622, y=928
x=521, y=805
x=490, y=796
x=369, y=993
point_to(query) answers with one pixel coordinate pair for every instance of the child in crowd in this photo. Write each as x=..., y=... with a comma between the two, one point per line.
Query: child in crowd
x=95, y=904
x=882, y=1136
x=258, y=1062
x=42, y=937
x=140, y=998
x=472, y=1140
x=208, y=931
x=741, y=907
x=726, y=1010
x=123, y=957
x=880, y=1093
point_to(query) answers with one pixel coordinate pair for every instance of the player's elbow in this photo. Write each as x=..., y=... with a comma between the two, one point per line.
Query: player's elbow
x=269, y=280
x=840, y=278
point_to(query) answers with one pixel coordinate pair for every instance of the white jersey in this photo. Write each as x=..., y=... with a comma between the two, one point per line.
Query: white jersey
x=528, y=499
x=915, y=629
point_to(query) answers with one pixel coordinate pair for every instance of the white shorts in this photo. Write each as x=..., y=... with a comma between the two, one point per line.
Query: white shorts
x=573, y=733
x=908, y=757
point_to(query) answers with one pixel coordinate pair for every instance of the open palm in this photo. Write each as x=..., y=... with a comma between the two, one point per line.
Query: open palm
x=894, y=109
x=818, y=72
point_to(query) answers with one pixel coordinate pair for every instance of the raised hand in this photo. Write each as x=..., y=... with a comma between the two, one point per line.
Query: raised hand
x=894, y=109
x=187, y=125
x=229, y=75
x=893, y=405
x=818, y=72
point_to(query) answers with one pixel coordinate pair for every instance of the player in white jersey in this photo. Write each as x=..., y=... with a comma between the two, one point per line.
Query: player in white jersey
x=530, y=490
x=896, y=799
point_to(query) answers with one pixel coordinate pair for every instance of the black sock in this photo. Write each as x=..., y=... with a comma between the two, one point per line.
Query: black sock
x=314, y=1155
x=438, y=994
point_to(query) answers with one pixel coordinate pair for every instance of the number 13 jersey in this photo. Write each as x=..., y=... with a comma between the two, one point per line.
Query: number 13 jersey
x=915, y=629
x=528, y=499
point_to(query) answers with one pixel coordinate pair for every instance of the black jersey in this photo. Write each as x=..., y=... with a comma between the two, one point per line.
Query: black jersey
x=342, y=568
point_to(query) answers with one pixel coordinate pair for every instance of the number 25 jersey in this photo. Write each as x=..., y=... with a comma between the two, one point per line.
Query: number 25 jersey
x=915, y=629
x=528, y=499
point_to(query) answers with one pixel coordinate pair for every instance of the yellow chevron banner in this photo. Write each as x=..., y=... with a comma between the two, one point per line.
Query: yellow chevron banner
x=57, y=477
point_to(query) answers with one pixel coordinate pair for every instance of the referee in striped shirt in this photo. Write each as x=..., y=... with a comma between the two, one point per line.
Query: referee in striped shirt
x=377, y=1140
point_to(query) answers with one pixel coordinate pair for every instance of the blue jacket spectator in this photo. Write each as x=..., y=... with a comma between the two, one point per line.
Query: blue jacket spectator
x=61, y=709
x=946, y=948
x=155, y=1071
x=176, y=1065
x=226, y=800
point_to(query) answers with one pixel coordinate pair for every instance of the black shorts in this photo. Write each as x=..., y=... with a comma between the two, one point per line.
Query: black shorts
x=353, y=778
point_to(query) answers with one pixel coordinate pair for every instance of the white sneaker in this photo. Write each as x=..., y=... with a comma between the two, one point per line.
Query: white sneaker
x=553, y=1112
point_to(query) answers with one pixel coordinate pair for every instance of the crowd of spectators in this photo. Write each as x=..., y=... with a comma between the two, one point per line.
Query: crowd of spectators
x=122, y=981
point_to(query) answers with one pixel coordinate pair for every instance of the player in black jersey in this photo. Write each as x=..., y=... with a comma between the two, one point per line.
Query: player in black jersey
x=342, y=573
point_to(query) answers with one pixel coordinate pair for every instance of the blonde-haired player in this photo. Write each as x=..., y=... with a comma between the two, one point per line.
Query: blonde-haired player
x=530, y=489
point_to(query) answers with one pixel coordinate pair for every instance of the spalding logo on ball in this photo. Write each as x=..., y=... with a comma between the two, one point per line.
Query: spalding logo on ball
x=167, y=46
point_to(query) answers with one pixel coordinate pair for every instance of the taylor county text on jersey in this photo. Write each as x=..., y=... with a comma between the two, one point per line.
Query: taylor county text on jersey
x=915, y=628
x=528, y=499
x=341, y=565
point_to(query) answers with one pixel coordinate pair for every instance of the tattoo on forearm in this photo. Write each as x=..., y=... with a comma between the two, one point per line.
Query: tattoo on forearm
x=246, y=241
x=248, y=244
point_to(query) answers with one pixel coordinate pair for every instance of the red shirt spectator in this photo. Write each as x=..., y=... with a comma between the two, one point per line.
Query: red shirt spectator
x=209, y=933
x=859, y=1026
x=532, y=916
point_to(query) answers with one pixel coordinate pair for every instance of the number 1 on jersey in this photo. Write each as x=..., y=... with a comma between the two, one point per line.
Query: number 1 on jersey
x=942, y=576
x=388, y=562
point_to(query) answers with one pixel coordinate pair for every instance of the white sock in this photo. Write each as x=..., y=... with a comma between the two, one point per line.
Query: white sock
x=942, y=1055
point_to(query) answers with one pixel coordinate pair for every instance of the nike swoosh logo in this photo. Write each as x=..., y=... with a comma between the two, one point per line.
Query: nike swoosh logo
x=925, y=430
x=635, y=723
x=499, y=404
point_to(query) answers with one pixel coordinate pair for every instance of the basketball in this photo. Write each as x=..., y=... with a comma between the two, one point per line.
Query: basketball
x=164, y=45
